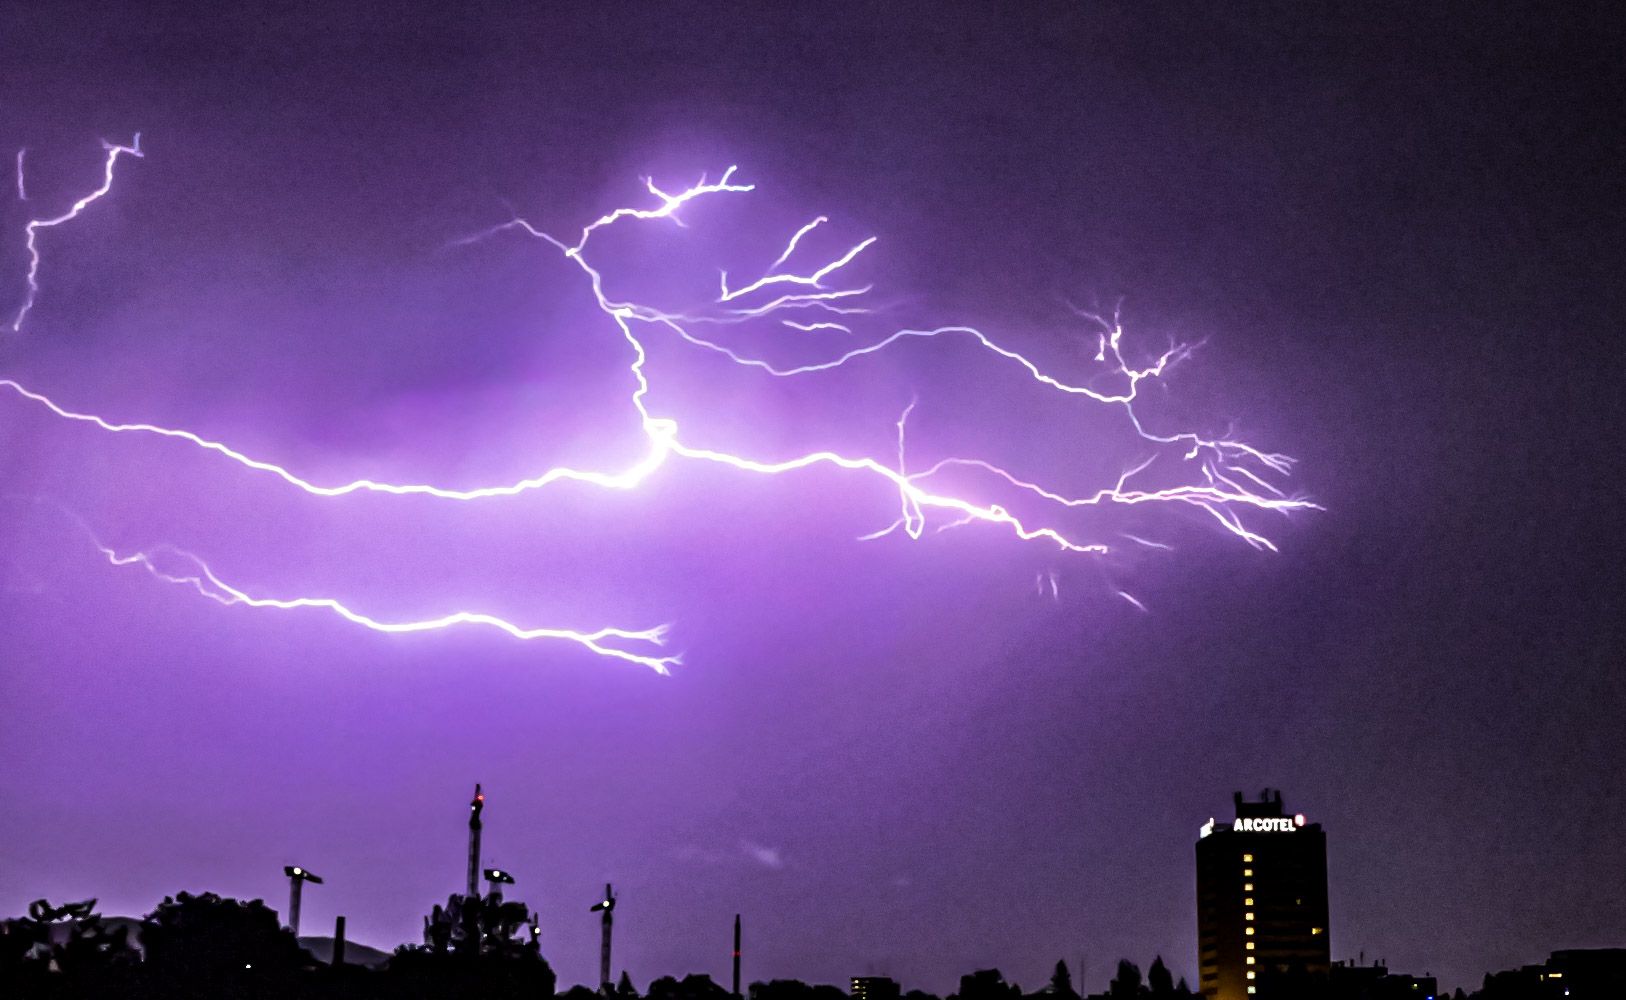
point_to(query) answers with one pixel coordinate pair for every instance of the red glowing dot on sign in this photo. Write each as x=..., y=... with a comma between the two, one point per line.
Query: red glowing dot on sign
x=1298, y=820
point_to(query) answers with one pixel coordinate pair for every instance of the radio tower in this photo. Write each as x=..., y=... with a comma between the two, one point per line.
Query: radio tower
x=475, y=805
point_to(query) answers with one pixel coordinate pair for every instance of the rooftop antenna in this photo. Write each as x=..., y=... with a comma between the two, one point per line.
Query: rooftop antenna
x=607, y=907
x=297, y=877
x=475, y=805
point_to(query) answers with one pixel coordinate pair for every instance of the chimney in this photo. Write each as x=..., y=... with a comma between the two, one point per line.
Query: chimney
x=338, y=941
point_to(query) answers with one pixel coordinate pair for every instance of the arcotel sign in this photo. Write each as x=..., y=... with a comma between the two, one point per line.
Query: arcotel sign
x=1269, y=824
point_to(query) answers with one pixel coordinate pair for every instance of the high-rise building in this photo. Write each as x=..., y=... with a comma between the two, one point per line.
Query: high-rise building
x=1261, y=900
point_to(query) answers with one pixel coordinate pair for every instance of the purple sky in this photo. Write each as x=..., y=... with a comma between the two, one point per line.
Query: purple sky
x=1399, y=233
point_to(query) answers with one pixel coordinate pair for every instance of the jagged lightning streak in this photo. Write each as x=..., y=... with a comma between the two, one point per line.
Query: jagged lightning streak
x=1221, y=462
x=114, y=151
x=603, y=642
x=203, y=580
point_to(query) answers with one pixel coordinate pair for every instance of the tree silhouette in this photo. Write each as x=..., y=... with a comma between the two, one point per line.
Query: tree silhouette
x=987, y=984
x=1061, y=981
x=474, y=946
x=480, y=926
x=793, y=989
x=1127, y=982
x=93, y=958
x=209, y=945
x=1158, y=980
x=66, y=951
x=696, y=986
x=19, y=938
x=624, y=988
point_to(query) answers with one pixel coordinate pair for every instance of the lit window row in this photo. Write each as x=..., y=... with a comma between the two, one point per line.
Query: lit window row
x=1247, y=873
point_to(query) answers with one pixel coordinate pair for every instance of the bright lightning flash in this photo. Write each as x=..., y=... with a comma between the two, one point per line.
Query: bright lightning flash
x=1225, y=478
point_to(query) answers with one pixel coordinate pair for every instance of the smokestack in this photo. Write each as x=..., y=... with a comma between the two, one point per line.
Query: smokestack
x=338, y=941
x=736, y=955
x=475, y=805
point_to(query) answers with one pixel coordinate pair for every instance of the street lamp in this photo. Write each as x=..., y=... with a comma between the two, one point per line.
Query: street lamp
x=297, y=877
x=496, y=876
x=607, y=907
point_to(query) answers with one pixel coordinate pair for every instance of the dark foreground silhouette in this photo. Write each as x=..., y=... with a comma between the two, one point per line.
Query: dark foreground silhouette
x=206, y=946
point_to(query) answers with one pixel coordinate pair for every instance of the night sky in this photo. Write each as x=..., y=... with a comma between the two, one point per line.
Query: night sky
x=1397, y=233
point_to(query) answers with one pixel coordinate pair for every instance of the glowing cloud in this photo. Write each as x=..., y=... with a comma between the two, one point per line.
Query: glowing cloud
x=1220, y=477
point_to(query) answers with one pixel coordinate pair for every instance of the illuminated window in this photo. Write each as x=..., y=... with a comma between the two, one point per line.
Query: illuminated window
x=1249, y=932
x=1250, y=959
x=1247, y=873
x=1247, y=915
x=1317, y=930
x=1247, y=887
x=1247, y=901
x=1251, y=989
x=1250, y=945
x=1247, y=857
x=1250, y=973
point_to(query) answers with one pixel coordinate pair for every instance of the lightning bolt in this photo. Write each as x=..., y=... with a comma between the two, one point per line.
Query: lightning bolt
x=203, y=580
x=35, y=225
x=1227, y=476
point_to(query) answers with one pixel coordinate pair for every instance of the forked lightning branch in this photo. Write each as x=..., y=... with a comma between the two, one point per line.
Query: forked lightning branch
x=796, y=294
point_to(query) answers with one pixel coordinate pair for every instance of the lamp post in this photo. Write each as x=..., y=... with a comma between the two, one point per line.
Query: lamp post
x=607, y=907
x=496, y=876
x=297, y=877
x=476, y=804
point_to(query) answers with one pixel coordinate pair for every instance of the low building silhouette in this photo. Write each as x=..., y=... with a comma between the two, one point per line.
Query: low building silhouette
x=875, y=988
